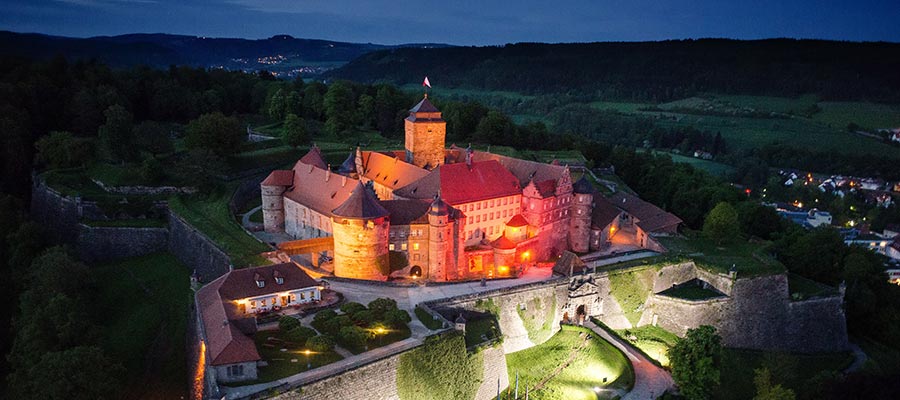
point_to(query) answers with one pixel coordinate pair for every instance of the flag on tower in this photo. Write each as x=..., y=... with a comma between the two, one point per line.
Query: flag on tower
x=426, y=83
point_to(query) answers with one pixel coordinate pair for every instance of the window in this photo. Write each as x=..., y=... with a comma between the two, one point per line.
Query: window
x=492, y=203
x=478, y=206
x=392, y=235
x=477, y=219
x=416, y=257
x=505, y=199
x=261, y=283
x=415, y=246
x=403, y=246
x=471, y=220
x=484, y=204
x=235, y=370
x=279, y=280
x=253, y=304
x=391, y=247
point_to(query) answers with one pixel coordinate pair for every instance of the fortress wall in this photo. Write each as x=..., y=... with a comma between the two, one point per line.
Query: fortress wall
x=95, y=244
x=57, y=214
x=677, y=315
x=816, y=325
x=195, y=250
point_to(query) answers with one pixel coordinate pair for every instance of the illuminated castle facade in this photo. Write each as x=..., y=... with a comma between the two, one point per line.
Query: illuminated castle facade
x=431, y=212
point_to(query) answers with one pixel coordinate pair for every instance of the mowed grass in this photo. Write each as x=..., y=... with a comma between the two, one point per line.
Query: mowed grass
x=594, y=360
x=712, y=167
x=286, y=358
x=210, y=215
x=749, y=259
x=653, y=341
x=619, y=107
x=145, y=302
x=867, y=115
x=785, y=105
x=794, y=371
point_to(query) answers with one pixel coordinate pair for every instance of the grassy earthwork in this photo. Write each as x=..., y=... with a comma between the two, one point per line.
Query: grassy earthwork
x=145, y=304
x=570, y=365
x=748, y=258
x=653, y=341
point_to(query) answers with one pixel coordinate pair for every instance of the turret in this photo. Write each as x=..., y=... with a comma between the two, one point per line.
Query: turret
x=441, y=261
x=426, y=132
x=582, y=210
x=361, y=227
x=272, y=191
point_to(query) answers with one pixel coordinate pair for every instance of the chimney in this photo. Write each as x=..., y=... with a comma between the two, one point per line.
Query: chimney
x=328, y=173
x=469, y=156
x=343, y=180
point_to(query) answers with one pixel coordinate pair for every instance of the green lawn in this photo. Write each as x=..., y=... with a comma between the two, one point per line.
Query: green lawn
x=427, y=319
x=210, y=215
x=594, y=360
x=802, y=288
x=867, y=115
x=653, y=341
x=794, y=371
x=627, y=108
x=631, y=289
x=749, y=259
x=691, y=292
x=481, y=327
x=293, y=360
x=381, y=339
x=785, y=105
x=712, y=167
x=145, y=304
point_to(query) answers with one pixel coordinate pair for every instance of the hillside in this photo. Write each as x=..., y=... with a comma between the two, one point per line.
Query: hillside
x=650, y=71
x=282, y=54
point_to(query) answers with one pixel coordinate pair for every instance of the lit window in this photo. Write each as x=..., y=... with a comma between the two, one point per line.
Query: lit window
x=391, y=247
x=403, y=246
x=415, y=246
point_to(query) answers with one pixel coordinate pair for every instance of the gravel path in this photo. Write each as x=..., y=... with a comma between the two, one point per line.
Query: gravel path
x=650, y=381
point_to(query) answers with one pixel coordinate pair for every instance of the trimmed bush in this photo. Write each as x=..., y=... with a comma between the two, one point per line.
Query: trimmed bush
x=299, y=334
x=382, y=305
x=287, y=323
x=352, y=308
x=320, y=343
x=427, y=319
x=352, y=336
x=363, y=317
x=397, y=318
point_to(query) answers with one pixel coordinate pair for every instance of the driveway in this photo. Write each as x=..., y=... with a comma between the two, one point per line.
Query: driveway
x=650, y=381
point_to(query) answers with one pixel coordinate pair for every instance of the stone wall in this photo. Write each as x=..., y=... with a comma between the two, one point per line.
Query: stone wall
x=58, y=214
x=95, y=244
x=195, y=250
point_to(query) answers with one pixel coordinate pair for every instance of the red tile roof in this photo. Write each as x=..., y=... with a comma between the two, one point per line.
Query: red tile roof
x=390, y=170
x=458, y=183
x=524, y=170
x=361, y=204
x=225, y=341
x=503, y=242
x=279, y=178
x=314, y=157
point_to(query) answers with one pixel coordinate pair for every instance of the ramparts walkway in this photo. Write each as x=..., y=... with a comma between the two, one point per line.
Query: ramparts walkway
x=650, y=381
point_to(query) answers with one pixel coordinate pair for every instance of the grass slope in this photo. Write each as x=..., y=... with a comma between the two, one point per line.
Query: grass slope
x=145, y=302
x=631, y=290
x=654, y=341
x=441, y=369
x=597, y=359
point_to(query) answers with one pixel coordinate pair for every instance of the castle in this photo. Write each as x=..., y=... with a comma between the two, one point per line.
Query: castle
x=436, y=213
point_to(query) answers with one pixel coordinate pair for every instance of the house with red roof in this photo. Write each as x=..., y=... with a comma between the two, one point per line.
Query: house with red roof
x=226, y=312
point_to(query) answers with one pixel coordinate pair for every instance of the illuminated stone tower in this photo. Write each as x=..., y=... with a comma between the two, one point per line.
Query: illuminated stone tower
x=580, y=221
x=361, y=226
x=441, y=263
x=426, y=131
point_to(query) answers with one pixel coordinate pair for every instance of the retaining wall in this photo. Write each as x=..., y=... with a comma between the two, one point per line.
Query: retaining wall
x=195, y=250
x=95, y=244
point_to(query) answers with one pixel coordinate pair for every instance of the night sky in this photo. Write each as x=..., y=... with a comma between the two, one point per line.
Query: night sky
x=464, y=22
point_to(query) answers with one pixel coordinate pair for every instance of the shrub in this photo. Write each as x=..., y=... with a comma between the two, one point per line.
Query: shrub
x=382, y=305
x=363, y=317
x=352, y=308
x=287, y=323
x=427, y=319
x=320, y=343
x=397, y=318
x=333, y=326
x=352, y=336
x=299, y=334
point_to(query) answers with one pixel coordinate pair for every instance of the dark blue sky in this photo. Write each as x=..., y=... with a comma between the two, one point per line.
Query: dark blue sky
x=462, y=21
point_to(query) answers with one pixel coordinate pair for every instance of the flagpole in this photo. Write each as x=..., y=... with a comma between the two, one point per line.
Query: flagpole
x=517, y=386
x=498, y=388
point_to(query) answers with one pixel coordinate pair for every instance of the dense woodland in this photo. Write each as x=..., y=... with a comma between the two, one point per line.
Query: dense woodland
x=61, y=114
x=651, y=71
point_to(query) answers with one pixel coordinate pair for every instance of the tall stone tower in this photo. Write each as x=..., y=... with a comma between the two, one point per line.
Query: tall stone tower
x=441, y=262
x=273, y=188
x=361, y=226
x=580, y=221
x=426, y=132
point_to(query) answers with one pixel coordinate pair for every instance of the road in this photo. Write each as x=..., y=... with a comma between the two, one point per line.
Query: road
x=650, y=381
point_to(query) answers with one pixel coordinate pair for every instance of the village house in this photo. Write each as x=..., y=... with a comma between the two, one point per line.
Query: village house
x=227, y=307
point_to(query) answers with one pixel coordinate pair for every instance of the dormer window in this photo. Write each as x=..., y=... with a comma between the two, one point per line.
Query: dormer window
x=259, y=280
x=278, y=278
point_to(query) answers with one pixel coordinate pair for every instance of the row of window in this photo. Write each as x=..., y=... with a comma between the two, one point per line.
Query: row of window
x=491, y=216
x=489, y=203
x=403, y=246
x=412, y=233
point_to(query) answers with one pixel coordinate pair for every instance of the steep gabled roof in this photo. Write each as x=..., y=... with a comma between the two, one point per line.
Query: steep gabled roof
x=314, y=157
x=568, y=264
x=517, y=221
x=279, y=178
x=604, y=212
x=503, y=243
x=524, y=170
x=225, y=343
x=241, y=283
x=318, y=189
x=362, y=204
x=459, y=183
x=650, y=217
x=424, y=106
x=349, y=165
x=390, y=170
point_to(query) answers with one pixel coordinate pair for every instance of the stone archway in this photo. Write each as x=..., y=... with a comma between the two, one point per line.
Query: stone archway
x=580, y=314
x=415, y=272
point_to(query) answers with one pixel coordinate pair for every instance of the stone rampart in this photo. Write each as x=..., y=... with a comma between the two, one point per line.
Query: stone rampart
x=95, y=244
x=195, y=250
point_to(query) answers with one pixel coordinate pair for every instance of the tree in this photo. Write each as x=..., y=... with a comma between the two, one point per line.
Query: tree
x=722, y=223
x=382, y=305
x=695, y=361
x=494, y=128
x=363, y=317
x=320, y=343
x=153, y=137
x=766, y=390
x=299, y=334
x=352, y=336
x=83, y=372
x=759, y=220
x=216, y=133
x=116, y=135
x=152, y=170
x=397, y=318
x=352, y=308
x=339, y=108
x=62, y=150
x=294, y=134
